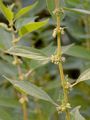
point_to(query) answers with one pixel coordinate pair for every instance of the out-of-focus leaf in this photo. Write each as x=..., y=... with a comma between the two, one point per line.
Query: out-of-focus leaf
x=4, y=115
x=7, y=68
x=71, y=50
x=79, y=95
x=30, y=27
x=73, y=63
x=34, y=64
x=78, y=51
x=73, y=3
x=66, y=48
x=53, y=84
x=28, y=52
x=23, y=11
x=79, y=11
x=75, y=114
x=6, y=11
x=23, y=21
x=38, y=8
x=5, y=39
x=31, y=90
x=8, y=102
x=52, y=49
x=51, y=6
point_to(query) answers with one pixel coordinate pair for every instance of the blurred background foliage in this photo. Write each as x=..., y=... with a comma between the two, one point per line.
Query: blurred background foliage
x=77, y=31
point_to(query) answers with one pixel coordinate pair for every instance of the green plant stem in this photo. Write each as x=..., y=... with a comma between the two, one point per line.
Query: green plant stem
x=59, y=53
x=56, y=4
x=25, y=115
x=24, y=105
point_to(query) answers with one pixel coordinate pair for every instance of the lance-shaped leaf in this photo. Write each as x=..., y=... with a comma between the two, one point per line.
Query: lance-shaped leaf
x=83, y=77
x=32, y=53
x=31, y=89
x=23, y=21
x=23, y=11
x=75, y=114
x=79, y=11
x=6, y=11
x=30, y=27
x=28, y=52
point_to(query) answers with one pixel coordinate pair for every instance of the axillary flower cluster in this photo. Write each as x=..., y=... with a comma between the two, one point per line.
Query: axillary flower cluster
x=56, y=59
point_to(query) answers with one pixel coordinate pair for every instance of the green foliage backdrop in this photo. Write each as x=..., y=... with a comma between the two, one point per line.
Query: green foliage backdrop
x=34, y=24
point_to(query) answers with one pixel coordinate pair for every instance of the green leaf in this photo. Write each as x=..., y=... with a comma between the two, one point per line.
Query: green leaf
x=5, y=115
x=71, y=50
x=23, y=11
x=28, y=52
x=7, y=68
x=5, y=39
x=23, y=21
x=83, y=77
x=6, y=11
x=8, y=102
x=32, y=53
x=34, y=64
x=52, y=85
x=75, y=114
x=30, y=27
x=78, y=51
x=66, y=48
x=49, y=50
x=50, y=6
x=31, y=89
x=79, y=11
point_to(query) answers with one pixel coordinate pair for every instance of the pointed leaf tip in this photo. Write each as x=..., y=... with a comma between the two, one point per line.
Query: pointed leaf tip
x=32, y=26
x=24, y=10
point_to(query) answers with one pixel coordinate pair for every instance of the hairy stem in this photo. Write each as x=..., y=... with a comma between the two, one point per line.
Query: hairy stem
x=59, y=53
